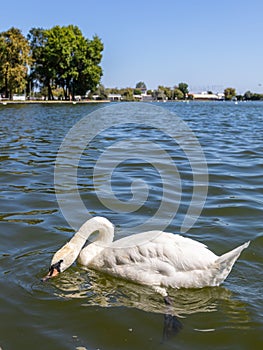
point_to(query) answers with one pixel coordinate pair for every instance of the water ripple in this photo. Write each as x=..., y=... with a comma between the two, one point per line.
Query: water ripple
x=33, y=228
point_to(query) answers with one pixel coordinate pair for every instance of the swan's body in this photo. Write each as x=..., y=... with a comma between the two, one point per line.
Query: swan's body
x=154, y=258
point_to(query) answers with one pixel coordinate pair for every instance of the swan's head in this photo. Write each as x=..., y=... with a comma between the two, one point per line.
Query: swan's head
x=66, y=256
x=61, y=260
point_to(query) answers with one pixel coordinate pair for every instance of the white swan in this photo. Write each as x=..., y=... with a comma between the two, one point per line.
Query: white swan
x=155, y=258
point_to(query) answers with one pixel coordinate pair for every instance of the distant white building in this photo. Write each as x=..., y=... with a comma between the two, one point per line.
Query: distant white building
x=143, y=96
x=114, y=97
x=137, y=97
x=147, y=98
x=17, y=97
x=206, y=96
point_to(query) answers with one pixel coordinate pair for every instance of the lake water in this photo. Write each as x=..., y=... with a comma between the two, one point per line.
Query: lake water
x=85, y=309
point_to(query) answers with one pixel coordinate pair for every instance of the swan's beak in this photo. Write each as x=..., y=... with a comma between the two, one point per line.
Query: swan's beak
x=50, y=275
x=54, y=270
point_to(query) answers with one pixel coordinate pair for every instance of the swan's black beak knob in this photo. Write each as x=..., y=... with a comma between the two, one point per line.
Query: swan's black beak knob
x=54, y=270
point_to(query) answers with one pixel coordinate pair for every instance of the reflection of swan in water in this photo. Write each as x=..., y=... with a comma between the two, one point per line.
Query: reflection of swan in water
x=98, y=289
x=158, y=259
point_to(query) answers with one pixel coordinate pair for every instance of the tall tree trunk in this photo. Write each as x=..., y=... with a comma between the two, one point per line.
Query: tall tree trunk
x=6, y=83
x=73, y=91
x=50, y=94
x=65, y=90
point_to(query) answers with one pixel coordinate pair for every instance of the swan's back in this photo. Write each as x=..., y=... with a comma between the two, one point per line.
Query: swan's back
x=155, y=258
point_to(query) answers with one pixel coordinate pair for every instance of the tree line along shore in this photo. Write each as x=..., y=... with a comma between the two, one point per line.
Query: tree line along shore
x=59, y=64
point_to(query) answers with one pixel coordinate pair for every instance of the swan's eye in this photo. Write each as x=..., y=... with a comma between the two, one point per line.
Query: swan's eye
x=55, y=266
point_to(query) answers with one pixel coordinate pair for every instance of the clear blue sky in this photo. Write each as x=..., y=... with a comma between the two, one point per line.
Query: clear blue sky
x=207, y=44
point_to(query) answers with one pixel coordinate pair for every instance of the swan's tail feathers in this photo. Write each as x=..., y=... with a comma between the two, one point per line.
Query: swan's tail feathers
x=226, y=261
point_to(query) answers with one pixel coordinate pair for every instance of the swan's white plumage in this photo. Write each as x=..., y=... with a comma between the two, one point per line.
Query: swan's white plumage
x=152, y=258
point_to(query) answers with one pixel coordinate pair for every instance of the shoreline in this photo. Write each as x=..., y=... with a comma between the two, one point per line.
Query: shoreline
x=11, y=102
x=6, y=102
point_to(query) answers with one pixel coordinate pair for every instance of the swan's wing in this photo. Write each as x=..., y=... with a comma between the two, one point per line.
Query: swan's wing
x=148, y=257
x=184, y=253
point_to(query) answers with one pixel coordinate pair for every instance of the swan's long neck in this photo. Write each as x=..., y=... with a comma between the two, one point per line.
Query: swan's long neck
x=100, y=224
x=70, y=251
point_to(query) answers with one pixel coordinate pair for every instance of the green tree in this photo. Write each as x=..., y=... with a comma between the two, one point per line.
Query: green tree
x=256, y=97
x=137, y=92
x=159, y=94
x=229, y=93
x=141, y=85
x=14, y=61
x=127, y=94
x=101, y=92
x=89, y=71
x=178, y=94
x=183, y=87
x=165, y=91
x=65, y=58
x=247, y=95
x=239, y=97
x=113, y=91
x=42, y=74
